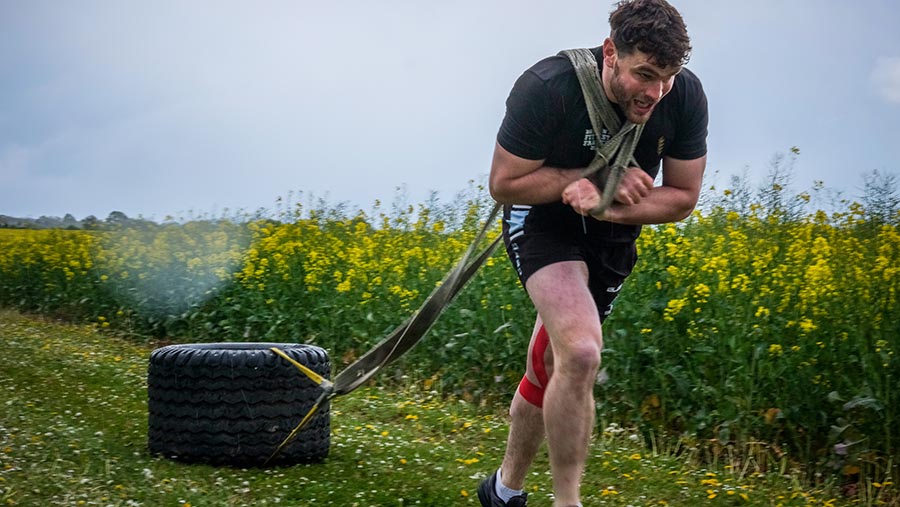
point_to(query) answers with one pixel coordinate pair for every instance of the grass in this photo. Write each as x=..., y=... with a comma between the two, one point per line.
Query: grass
x=73, y=422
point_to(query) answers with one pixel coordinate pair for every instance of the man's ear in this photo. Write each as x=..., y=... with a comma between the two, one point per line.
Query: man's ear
x=610, y=54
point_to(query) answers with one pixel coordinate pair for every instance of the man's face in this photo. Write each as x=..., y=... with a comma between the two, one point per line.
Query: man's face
x=638, y=84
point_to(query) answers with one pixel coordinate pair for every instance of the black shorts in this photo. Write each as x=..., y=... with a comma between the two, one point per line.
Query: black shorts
x=537, y=236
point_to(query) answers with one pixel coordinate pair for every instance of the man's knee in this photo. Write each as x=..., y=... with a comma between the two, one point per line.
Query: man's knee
x=579, y=360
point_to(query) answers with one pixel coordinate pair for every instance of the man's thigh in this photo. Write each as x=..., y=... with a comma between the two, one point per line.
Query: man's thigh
x=564, y=302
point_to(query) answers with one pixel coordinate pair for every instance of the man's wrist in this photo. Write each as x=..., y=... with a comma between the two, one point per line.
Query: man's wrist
x=610, y=214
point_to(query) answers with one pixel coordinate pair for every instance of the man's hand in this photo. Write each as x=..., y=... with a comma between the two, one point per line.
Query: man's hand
x=582, y=196
x=635, y=185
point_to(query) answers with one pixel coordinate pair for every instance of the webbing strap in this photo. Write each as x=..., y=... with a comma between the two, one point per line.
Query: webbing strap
x=404, y=337
x=616, y=155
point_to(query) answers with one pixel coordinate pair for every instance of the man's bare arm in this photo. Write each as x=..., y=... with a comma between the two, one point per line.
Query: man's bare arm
x=516, y=180
x=674, y=200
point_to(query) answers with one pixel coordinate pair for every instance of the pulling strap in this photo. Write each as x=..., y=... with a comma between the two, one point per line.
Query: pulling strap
x=404, y=337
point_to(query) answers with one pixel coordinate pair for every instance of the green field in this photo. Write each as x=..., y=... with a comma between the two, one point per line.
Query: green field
x=74, y=424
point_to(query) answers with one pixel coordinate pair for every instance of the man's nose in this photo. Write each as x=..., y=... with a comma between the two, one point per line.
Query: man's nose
x=655, y=90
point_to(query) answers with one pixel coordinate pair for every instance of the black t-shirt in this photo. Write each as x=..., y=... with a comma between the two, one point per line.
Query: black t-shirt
x=546, y=118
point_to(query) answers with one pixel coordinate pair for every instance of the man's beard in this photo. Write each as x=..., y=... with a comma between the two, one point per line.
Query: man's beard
x=625, y=102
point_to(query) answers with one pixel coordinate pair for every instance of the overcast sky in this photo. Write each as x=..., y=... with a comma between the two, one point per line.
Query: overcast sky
x=169, y=107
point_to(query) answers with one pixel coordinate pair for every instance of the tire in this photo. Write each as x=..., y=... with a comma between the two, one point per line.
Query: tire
x=234, y=403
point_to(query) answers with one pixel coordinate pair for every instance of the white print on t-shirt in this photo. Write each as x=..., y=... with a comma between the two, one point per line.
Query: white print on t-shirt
x=590, y=140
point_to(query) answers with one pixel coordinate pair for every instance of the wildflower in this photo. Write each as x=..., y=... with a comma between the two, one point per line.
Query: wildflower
x=701, y=293
x=806, y=325
x=673, y=308
x=775, y=349
x=741, y=282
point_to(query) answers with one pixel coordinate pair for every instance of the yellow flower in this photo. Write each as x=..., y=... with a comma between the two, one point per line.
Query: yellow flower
x=701, y=293
x=673, y=308
x=806, y=325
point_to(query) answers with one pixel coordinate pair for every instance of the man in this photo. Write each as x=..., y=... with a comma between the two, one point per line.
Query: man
x=573, y=264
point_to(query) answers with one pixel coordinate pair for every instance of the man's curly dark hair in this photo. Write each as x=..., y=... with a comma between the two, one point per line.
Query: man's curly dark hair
x=653, y=27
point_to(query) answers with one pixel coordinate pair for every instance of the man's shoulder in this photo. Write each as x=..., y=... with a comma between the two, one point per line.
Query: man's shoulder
x=556, y=71
x=688, y=85
x=687, y=98
x=682, y=117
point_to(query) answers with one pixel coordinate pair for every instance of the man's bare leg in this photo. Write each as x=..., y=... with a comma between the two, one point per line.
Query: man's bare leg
x=526, y=426
x=562, y=298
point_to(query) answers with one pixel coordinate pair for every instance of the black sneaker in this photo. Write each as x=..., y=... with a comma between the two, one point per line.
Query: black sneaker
x=487, y=493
